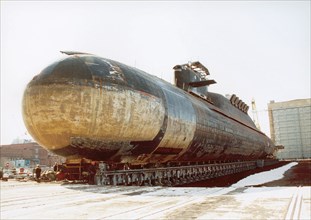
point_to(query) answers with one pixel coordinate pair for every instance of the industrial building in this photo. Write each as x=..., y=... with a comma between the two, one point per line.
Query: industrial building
x=290, y=126
x=27, y=155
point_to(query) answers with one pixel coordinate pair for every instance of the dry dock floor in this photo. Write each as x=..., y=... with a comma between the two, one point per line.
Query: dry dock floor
x=31, y=200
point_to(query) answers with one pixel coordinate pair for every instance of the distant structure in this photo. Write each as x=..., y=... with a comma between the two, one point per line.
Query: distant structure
x=21, y=141
x=290, y=126
x=255, y=114
x=27, y=154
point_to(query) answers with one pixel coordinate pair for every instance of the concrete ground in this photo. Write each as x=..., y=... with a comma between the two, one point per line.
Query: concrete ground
x=31, y=200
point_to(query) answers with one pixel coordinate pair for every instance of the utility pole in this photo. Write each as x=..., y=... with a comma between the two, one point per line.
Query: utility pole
x=255, y=114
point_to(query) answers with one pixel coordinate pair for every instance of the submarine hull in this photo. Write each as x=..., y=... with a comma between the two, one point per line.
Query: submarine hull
x=100, y=109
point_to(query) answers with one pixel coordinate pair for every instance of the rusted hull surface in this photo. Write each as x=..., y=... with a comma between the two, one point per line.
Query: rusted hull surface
x=60, y=114
x=87, y=106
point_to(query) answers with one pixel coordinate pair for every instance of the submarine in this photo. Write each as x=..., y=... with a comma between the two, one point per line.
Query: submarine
x=86, y=106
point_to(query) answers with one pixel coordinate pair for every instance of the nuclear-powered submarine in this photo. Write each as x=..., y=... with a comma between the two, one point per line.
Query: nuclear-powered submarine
x=85, y=106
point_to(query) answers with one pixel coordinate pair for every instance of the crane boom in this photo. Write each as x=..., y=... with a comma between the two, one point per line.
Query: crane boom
x=255, y=114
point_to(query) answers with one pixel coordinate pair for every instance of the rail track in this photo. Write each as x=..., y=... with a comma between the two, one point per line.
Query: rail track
x=294, y=209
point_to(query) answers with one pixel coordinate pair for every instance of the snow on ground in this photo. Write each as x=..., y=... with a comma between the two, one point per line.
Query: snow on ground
x=264, y=177
x=31, y=200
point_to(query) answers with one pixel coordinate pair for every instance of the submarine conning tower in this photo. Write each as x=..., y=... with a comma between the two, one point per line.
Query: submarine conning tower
x=193, y=78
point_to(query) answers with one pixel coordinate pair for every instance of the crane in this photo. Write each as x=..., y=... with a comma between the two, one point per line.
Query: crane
x=255, y=114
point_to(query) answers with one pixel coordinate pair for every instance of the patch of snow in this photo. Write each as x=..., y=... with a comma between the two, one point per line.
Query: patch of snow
x=264, y=177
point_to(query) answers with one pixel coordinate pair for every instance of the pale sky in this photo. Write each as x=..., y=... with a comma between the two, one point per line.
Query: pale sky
x=255, y=49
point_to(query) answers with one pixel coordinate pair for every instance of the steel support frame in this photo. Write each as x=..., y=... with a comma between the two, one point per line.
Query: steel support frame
x=169, y=176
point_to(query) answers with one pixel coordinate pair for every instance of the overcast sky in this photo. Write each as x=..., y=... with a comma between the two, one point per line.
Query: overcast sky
x=257, y=50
